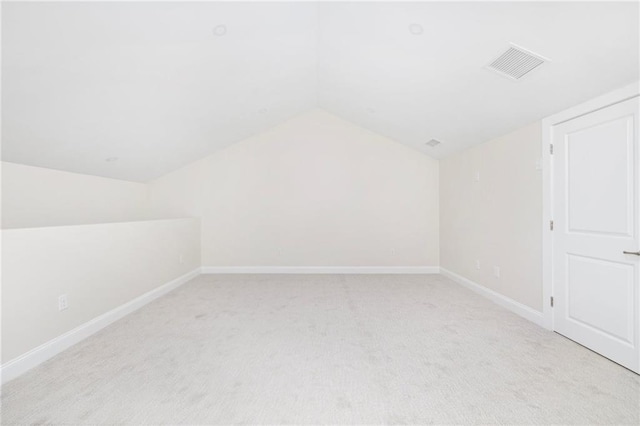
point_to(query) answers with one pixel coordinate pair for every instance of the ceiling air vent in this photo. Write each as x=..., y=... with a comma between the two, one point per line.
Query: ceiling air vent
x=433, y=143
x=516, y=62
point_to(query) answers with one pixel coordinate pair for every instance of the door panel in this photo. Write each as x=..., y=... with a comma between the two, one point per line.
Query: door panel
x=607, y=308
x=596, y=286
x=599, y=184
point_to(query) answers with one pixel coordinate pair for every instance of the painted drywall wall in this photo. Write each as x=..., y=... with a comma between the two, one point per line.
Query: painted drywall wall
x=99, y=267
x=491, y=212
x=180, y=193
x=314, y=191
x=35, y=196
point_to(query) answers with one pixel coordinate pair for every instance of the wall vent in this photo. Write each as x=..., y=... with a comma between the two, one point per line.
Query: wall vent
x=516, y=62
x=433, y=143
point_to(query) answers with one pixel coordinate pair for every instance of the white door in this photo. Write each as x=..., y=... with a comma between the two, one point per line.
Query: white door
x=596, y=185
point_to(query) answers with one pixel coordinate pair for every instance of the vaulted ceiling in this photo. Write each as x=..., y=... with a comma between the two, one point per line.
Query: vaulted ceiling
x=135, y=90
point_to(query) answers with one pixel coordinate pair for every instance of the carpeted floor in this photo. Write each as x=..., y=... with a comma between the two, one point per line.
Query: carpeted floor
x=346, y=349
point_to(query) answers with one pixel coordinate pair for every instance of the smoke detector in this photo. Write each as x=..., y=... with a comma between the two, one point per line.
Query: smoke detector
x=516, y=62
x=220, y=30
x=433, y=143
x=416, y=29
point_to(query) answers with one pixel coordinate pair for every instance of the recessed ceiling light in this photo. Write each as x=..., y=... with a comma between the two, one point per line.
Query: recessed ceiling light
x=220, y=30
x=416, y=29
x=433, y=143
x=111, y=159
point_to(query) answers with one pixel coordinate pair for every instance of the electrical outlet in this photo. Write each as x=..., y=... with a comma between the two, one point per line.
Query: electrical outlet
x=62, y=302
x=477, y=264
x=182, y=258
x=496, y=271
x=539, y=164
x=476, y=178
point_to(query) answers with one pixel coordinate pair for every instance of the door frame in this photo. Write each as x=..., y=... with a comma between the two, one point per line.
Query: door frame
x=620, y=95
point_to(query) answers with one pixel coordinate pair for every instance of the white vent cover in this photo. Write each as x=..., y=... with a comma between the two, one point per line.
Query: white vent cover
x=516, y=62
x=433, y=143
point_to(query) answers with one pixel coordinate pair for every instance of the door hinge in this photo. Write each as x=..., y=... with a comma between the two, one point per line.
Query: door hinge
x=552, y=301
x=551, y=149
x=551, y=225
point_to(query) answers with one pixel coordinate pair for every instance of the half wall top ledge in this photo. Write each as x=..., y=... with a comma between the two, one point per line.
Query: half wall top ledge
x=135, y=90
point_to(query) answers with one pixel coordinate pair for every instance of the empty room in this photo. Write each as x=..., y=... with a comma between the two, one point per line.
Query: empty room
x=320, y=212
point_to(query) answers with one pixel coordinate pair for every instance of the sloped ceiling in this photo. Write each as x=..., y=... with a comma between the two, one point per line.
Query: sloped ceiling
x=135, y=90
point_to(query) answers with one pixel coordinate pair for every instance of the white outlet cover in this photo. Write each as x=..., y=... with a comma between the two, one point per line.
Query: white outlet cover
x=538, y=164
x=477, y=264
x=62, y=302
x=496, y=271
x=476, y=177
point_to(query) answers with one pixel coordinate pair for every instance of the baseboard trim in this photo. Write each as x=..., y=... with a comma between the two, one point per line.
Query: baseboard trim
x=320, y=270
x=17, y=366
x=504, y=301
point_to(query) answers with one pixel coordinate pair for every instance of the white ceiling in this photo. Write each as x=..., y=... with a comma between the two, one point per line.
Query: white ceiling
x=152, y=85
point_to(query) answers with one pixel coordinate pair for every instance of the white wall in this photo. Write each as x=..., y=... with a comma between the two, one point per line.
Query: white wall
x=496, y=220
x=99, y=267
x=314, y=191
x=35, y=196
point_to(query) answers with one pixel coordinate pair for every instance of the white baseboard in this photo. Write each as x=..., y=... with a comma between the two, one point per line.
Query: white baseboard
x=510, y=304
x=17, y=366
x=320, y=270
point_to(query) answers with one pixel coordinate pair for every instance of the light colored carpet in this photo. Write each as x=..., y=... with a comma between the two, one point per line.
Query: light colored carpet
x=346, y=349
